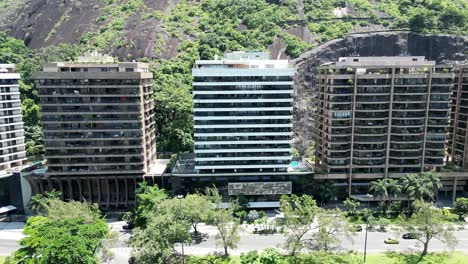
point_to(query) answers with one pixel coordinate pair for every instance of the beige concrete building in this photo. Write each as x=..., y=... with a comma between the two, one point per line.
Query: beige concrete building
x=99, y=129
x=381, y=116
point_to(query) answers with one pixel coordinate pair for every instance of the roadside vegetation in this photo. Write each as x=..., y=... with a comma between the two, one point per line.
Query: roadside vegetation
x=63, y=232
x=75, y=232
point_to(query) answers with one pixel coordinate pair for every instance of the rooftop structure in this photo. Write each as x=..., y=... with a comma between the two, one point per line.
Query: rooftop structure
x=12, y=146
x=381, y=116
x=99, y=129
x=458, y=140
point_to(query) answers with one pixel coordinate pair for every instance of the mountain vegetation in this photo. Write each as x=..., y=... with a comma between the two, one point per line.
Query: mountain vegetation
x=183, y=31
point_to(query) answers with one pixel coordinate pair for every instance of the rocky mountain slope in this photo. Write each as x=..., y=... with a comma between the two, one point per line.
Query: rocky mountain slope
x=441, y=48
x=155, y=28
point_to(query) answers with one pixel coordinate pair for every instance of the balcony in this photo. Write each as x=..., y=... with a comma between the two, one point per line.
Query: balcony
x=370, y=131
x=358, y=139
x=371, y=115
x=366, y=162
x=405, y=154
x=406, y=146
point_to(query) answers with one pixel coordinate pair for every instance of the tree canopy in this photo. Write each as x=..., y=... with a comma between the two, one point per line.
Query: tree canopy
x=68, y=233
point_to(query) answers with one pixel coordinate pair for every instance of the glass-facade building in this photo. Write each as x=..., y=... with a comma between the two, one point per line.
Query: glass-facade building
x=12, y=146
x=243, y=107
x=382, y=116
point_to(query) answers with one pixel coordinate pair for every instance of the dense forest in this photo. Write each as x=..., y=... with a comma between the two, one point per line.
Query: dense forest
x=212, y=27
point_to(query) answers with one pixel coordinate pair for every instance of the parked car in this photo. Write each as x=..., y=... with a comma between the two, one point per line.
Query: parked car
x=357, y=228
x=391, y=241
x=128, y=226
x=409, y=236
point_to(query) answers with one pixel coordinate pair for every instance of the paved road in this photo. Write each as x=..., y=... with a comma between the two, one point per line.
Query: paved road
x=11, y=233
x=375, y=243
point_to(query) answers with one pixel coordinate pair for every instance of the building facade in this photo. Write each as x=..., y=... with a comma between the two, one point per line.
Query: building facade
x=458, y=140
x=243, y=114
x=243, y=108
x=99, y=129
x=381, y=116
x=12, y=146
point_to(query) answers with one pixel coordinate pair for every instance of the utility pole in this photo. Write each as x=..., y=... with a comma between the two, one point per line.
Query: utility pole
x=180, y=214
x=365, y=242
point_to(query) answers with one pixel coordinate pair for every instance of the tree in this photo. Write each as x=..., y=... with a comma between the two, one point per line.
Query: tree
x=330, y=222
x=195, y=208
x=452, y=16
x=228, y=228
x=421, y=19
x=461, y=207
x=432, y=180
x=323, y=192
x=147, y=198
x=423, y=186
x=426, y=224
x=385, y=188
x=351, y=206
x=227, y=225
x=67, y=233
x=156, y=242
x=38, y=202
x=299, y=214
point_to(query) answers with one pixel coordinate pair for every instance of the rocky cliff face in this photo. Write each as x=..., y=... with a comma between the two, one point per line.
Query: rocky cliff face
x=441, y=48
x=42, y=23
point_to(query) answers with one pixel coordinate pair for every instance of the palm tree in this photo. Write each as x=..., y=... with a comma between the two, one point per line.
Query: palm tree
x=416, y=187
x=394, y=187
x=432, y=181
x=379, y=188
x=384, y=188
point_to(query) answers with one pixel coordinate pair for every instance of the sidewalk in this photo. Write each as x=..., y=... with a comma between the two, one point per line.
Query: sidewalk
x=11, y=230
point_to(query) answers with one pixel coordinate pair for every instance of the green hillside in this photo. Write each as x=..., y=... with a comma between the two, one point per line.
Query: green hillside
x=201, y=29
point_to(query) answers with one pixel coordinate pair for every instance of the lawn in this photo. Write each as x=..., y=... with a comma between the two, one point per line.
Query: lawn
x=398, y=258
x=2, y=259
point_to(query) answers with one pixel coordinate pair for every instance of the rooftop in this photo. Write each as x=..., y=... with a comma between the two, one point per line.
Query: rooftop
x=243, y=60
x=7, y=68
x=185, y=166
x=382, y=61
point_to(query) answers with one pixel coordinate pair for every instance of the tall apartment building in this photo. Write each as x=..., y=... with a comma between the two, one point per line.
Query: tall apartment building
x=99, y=129
x=12, y=147
x=381, y=116
x=243, y=107
x=458, y=140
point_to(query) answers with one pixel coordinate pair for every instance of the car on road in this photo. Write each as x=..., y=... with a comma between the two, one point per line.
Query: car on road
x=391, y=241
x=408, y=236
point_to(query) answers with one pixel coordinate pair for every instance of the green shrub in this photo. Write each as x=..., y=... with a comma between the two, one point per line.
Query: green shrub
x=249, y=257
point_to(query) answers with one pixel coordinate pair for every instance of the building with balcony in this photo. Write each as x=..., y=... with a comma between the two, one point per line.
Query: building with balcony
x=99, y=129
x=12, y=146
x=381, y=116
x=458, y=140
x=243, y=108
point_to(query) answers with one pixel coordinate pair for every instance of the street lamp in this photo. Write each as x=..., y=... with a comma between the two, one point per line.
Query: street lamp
x=365, y=242
x=180, y=213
